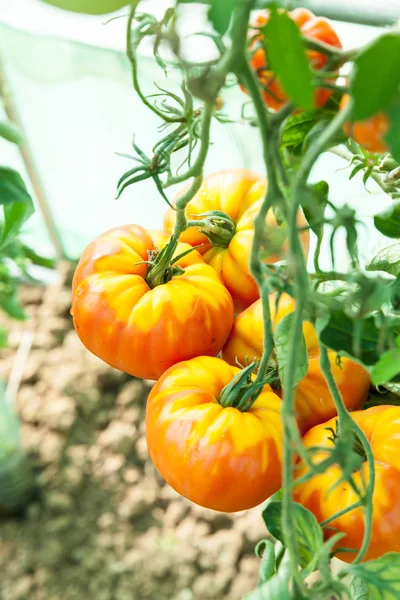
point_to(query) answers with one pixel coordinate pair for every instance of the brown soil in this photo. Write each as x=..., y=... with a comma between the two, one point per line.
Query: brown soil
x=105, y=526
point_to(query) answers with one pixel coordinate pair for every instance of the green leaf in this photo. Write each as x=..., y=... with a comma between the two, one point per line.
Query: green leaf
x=338, y=333
x=358, y=589
x=11, y=133
x=3, y=337
x=387, y=259
x=380, y=576
x=283, y=344
x=266, y=551
x=388, y=366
x=314, y=206
x=276, y=588
x=393, y=135
x=219, y=14
x=12, y=306
x=90, y=7
x=297, y=126
x=388, y=221
x=376, y=77
x=286, y=56
x=17, y=204
x=307, y=531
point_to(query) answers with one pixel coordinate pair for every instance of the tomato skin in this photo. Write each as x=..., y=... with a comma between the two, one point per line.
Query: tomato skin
x=315, y=28
x=219, y=458
x=313, y=401
x=238, y=193
x=90, y=7
x=139, y=330
x=381, y=424
x=369, y=133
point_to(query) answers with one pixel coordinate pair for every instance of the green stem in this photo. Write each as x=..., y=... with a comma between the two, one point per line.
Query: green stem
x=346, y=420
x=197, y=168
x=132, y=59
x=340, y=513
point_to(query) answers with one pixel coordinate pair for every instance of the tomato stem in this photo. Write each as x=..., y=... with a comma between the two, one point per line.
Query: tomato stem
x=218, y=227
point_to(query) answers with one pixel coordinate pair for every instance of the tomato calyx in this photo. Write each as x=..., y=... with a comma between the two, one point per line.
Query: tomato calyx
x=162, y=267
x=218, y=227
x=342, y=440
x=242, y=391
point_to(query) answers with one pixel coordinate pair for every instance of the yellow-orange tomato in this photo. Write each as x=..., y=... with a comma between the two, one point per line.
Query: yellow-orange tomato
x=315, y=28
x=321, y=495
x=140, y=330
x=237, y=193
x=313, y=401
x=369, y=133
x=220, y=458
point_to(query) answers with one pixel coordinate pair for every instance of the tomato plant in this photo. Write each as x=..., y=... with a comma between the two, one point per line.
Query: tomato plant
x=313, y=402
x=142, y=318
x=195, y=435
x=336, y=328
x=310, y=26
x=327, y=493
x=226, y=205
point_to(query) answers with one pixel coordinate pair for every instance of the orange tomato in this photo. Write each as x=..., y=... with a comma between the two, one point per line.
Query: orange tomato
x=315, y=28
x=237, y=193
x=220, y=458
x=381, y=425
x=369, y=133
x=313, y=401
x=140, y=330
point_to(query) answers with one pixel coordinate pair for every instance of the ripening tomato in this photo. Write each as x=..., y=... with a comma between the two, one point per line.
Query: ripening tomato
x=238, y=194
x=313, y=401
x=139, y=329
x=369, y=133
x=322, y=496
x=315, y=28
x=220, y=458
x=91, y=7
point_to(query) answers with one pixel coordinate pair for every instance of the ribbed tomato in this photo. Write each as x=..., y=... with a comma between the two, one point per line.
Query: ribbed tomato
x=220, y=458
x=315, y=28
x=369, y=133
x=313, y=401
x=322, y=496
x=238, y=193
x=139, y=329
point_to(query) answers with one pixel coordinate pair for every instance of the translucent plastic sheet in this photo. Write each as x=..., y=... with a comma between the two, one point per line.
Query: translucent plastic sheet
x=78, y=109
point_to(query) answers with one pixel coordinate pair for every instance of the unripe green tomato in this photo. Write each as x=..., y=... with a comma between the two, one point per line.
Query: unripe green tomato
x=90, y=7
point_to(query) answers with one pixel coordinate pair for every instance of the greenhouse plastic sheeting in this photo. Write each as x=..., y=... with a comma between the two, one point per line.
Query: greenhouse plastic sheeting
x=78, y=110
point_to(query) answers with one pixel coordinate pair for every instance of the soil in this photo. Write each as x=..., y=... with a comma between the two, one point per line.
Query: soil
x=105, y=526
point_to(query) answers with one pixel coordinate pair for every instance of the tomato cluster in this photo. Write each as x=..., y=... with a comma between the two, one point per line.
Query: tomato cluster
x=206, y=440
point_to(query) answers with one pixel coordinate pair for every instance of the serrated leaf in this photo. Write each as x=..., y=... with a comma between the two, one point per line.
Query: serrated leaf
x=381, y=58
x=393, y=135
x=286, y=56
x=388, y=221
x=358, y=589
x=381, y=576
x=283, y=345
x=388, y=366
x=297, y=126
x=307, y=530
x=17, y=204
x=338, y=333
x=387, y=259
x=11, y=133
